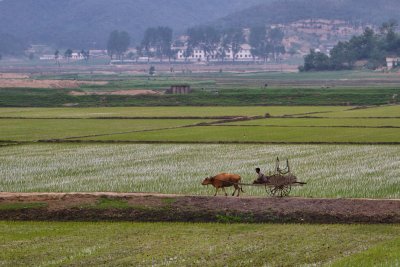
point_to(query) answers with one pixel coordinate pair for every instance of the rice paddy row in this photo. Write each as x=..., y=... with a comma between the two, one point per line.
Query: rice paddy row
x=144, y=112
x=180, y=244
x=351, y=171
x=157, y=125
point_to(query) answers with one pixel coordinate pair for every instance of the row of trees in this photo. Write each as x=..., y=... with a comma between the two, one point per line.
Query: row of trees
x=157, y=41
x=214, y=43
x=370, y=46
x=160, y=39
x=264, y=42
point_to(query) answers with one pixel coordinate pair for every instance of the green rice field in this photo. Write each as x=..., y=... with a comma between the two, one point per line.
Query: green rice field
x=45, y=129
x=249, y=134
x=372, y=112
x=170, y=124
x=359, y=158
x=163, y=111
x=351, y=171
x=181, y=244
x=320, y=122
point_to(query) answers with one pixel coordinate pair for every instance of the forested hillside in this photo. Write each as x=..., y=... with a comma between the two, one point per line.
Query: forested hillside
x=286, y=11
x=87, y=23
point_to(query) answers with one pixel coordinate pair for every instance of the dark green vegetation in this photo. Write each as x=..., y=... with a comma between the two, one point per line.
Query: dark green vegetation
x=87, y=23
x=239, y=97
x=118, y=43
x=370, y=46
x=20, y=206
x=179, y=244
x=217, y=89
x=110, y=203
x=371, y=11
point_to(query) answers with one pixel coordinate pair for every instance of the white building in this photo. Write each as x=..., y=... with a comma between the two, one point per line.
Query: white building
x=77, y=56
x=47, y=57
x=198, y=55
x=392, y=62
x=74, y=56
x=244, y=54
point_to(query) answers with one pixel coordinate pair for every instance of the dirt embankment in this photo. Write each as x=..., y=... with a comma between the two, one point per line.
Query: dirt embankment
x=155, y=207
x=23, y=81
x=119, y=92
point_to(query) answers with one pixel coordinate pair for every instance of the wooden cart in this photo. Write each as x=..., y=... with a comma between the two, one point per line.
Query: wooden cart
x=280, y=183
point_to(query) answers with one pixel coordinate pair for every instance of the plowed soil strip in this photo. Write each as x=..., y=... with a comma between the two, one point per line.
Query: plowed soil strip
x=159, y=207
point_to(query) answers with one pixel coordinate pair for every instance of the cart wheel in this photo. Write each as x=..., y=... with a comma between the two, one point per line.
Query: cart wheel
x=281, y=191
x=273, y=191
x=286, y=190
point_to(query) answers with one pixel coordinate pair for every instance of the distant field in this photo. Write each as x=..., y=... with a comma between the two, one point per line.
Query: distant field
x=91, y=124
x=180, y=244
x=351, y=171
x=251, y=78
x=323, y=122
x=240, y=87
x=44, y=129
x=385, y=111
x=162, y=111
x=245, y=134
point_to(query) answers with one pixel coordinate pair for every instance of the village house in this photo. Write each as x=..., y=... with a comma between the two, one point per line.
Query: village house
x=198, y=55
x=392, y=62
x=47, y=57
x=74, y=56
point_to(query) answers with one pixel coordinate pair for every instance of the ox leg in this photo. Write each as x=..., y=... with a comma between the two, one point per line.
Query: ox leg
x=234, y=191
x=216, y=191
x=223, y=188
x=238, y=190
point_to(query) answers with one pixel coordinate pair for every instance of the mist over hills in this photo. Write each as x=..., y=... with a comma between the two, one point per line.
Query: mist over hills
x=286, y=11
x=87, y=23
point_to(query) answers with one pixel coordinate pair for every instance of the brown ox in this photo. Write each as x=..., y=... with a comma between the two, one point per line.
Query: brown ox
x=223, y=180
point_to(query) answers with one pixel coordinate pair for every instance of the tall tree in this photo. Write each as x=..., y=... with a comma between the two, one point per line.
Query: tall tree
x=258, y=43
x=265, y=41
x=57, y=56
x=275, y=38
x=160, y=40
x=118, y=43
x=68, y=54
x=85, y=54
x=206, y=38
x=233, y=39
x=316, y=61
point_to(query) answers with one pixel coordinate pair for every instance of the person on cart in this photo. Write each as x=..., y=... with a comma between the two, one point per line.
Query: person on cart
x=261, y=178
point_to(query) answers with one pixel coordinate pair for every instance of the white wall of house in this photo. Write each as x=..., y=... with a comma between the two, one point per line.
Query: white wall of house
x=198, y=55
x=392, y=62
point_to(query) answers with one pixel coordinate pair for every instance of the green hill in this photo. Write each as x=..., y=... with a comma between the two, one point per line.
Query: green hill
x=286, y=11
x=87, y=23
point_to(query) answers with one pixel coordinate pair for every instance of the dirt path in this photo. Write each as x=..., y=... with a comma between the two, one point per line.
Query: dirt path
x=49, y=84
x=160, y=207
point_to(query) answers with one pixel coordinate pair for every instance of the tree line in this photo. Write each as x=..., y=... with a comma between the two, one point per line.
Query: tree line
x=372, y=47
x=158, y=42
